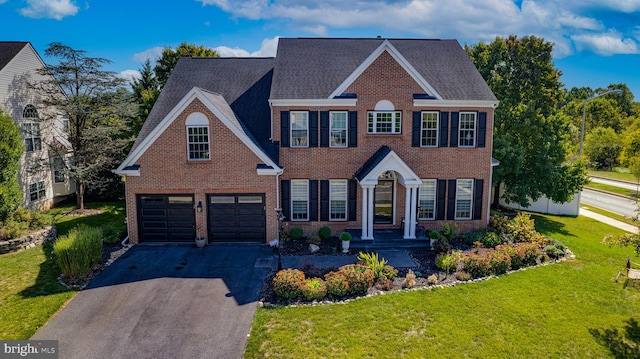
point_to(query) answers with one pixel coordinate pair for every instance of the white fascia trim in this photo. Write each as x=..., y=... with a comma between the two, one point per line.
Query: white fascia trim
x=454, y=103
x=392, y=162
x=133, y=173
x=173, y=114
x=339, y=102
x=406, y=65
x=269, y=171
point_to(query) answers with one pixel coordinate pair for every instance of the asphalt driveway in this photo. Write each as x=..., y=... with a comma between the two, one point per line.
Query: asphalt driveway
x=165, y=301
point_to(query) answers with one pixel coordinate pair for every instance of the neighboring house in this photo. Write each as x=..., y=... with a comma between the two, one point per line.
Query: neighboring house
x=357, y=134
x=41, y=176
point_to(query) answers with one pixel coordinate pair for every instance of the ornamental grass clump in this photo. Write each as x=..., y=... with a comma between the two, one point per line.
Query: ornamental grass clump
x=314, y=289
x=78, y=251
x=371, y=261
x=288, y=283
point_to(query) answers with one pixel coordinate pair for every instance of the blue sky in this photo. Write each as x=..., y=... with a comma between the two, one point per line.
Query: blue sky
x=596, y=42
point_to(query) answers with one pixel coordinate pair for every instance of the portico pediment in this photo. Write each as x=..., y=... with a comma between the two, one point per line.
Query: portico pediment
x=385, y=159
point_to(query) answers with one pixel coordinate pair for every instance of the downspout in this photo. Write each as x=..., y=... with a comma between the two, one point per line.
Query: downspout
x=271, y=113
x=278, y=208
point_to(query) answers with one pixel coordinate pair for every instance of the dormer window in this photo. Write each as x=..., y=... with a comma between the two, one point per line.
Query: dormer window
x=198, y=137
x=384, y=119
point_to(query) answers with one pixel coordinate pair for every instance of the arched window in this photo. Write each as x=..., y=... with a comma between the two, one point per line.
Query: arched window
x=197, y=136
x=31, y=129
x=384, y=119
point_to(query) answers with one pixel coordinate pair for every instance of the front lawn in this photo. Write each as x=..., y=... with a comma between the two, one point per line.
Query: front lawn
x=29, y=290
x=620, y=173
x=570, y=309
x=614, y=189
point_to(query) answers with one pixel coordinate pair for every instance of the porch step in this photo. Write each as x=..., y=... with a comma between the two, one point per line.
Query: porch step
x=377, y=244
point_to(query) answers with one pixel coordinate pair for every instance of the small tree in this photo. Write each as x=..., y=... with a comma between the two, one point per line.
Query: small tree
x=170, y=57
x=631, y=151
x=10, y=151
x=602, y=147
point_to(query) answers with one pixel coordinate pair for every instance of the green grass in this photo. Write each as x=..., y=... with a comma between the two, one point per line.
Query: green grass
x=29, y=290
x=572, y=309
x=622, y=174
x=615, y=189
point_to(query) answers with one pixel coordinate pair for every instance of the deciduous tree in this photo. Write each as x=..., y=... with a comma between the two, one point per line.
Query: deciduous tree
x=170, y=57
x=602, y=146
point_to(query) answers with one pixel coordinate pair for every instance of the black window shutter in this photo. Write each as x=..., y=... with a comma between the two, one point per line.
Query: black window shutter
x=285, y=187
x=313, y=200
x=313, y=129
x=324, y=128
x=454, y=129
x=451, y=205
x=415, y=129
x=284, y=129
x=353, y=200
x=444, y=129
x=353, y=129
x=324, y=200
x=441, y=198
x=477, y=199
x=482, y=129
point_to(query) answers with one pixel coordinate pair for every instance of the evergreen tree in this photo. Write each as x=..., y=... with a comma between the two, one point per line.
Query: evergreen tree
x=10, y=151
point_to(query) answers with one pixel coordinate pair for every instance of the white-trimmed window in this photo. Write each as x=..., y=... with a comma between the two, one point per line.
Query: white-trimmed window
x=198, y=137
x=299, y=200
x=299, y=128
x=37, y=190
x=467, y=129
x=338, y=129
x=427, y=200
x=464, y=198
x=338, y=200
x=58, y=170
x=32, y=139
x=384, y=122
x=429, y=129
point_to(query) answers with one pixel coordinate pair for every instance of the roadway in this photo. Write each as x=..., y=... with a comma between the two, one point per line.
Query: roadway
x=616, y=204
x=626, y=185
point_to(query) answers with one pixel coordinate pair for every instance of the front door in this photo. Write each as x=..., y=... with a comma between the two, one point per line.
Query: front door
x=383, y=198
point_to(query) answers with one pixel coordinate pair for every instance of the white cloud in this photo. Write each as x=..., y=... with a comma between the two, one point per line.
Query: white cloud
x=129, y=75
x=267, y=49
x=3, y=1
x=152, y=54
x=49, y=9
x=606, y=44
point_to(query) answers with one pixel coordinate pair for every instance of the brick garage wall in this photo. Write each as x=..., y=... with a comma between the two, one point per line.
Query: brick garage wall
x=385, y=79
x=164, y=169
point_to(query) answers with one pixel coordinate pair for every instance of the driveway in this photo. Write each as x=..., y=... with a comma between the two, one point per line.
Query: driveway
x=165, y=301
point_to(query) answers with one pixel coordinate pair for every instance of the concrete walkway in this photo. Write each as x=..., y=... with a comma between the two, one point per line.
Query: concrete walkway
x=610, y=221
x=395, y=257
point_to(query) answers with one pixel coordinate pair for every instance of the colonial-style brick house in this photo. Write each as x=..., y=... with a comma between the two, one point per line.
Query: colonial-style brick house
x=359, y=134
x=41, y=177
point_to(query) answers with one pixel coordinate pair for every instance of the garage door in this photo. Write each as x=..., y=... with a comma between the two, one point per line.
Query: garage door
x=166, y=218
x=236, y=218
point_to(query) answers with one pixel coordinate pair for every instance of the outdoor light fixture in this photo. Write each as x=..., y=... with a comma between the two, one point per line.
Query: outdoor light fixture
x=584, y=114
x=199, y=207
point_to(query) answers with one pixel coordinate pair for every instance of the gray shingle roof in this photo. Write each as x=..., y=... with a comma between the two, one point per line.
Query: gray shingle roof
x=310, y=68
x=243, y=83
x=8, y=50
x=372, y=162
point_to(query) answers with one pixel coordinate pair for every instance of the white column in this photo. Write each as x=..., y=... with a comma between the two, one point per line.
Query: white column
x=414, y=208
x=365, y=211
x=371, y=207
x=407, y=212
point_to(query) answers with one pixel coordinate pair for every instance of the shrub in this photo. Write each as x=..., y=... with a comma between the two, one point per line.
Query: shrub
x=531, y=252
x=21, y=221
x=556, y=243
x=519, y=229
x=371, y=261
x=477, y=265
x=432, y=279
x=359, y=278
x=345, y=236
x=500, y=262
x=314, y=240
x=441, y=245
x=78, y=251
x=336, y=284
x=463, y=276
x=490, y=239
x=383, y=283
x=433, y=234
x=409, y=280
x=449, y=230
x=553, y=251
x=296, y=233
x=324, y=232
x=314, y=289
x=446, y=262
x=516, y=256
x=288, y=283
x=110, y=233
x=389, y=272
x=471, y=237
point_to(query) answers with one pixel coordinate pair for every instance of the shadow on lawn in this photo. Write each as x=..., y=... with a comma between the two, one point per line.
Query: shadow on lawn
x=623, y=343
x=47, y=280
x=547, y=225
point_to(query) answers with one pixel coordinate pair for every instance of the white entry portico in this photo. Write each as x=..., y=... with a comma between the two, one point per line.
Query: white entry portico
x=386, y=160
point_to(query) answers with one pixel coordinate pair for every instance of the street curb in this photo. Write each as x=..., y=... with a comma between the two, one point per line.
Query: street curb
x=615, y=180
x=611, y=193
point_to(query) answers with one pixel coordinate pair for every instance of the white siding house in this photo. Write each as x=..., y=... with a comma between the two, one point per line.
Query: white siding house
x=43, y=130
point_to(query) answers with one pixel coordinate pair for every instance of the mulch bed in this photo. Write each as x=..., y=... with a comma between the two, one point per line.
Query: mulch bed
x=423, y=257
x=110, y=252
